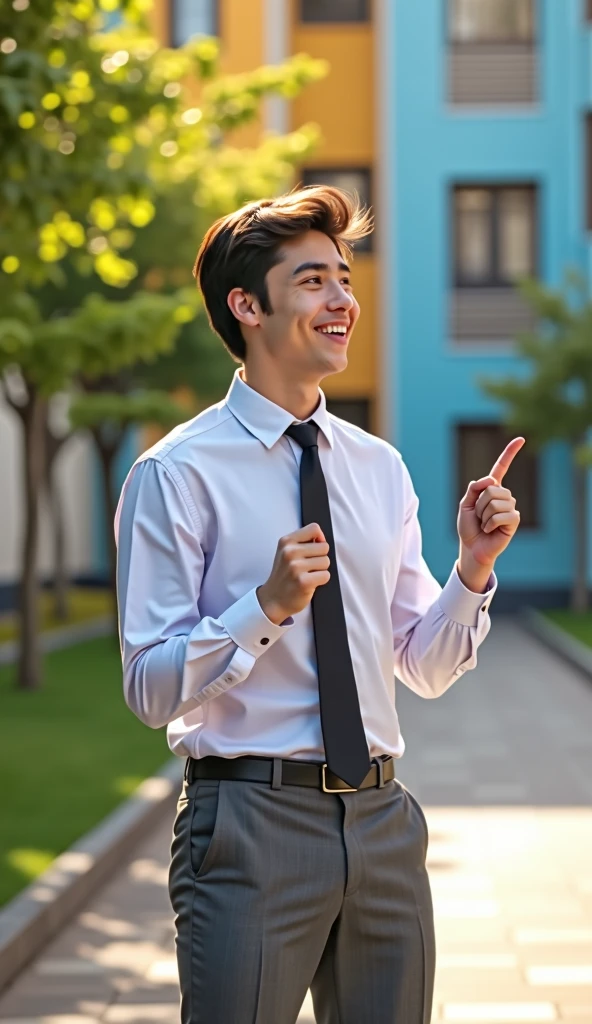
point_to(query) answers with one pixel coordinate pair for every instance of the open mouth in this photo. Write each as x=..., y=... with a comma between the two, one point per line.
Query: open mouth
x=336, y=333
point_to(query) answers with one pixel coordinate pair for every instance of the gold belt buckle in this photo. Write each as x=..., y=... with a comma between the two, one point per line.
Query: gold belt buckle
x=340, y=789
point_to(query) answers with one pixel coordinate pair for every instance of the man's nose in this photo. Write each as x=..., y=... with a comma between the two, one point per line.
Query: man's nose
x=341, y=299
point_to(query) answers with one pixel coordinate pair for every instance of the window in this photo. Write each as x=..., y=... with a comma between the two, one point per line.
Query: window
x=491, y=21
x=354, y=410
x=589, y=10
x=350, y=180
x=494, y=235
x=334, y=10
x=478, y=445
x=192, y=18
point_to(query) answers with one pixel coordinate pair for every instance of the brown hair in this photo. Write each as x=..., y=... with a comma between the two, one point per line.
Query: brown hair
x=240, y=249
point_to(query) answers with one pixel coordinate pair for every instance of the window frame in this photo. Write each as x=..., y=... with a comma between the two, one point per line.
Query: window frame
x=171, y=21
x=496, y=188
x=364, y=19
x=526, y=44
x=365, y=245
x=533, y=464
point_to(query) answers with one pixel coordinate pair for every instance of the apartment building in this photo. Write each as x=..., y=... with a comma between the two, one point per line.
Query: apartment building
x=488, y=136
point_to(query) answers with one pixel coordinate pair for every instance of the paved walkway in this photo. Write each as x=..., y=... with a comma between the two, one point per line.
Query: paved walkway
x=503, y=765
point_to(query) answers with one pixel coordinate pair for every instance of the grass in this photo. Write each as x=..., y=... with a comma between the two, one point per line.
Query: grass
x=84, y=603
x=69, y=753
x=578, y=624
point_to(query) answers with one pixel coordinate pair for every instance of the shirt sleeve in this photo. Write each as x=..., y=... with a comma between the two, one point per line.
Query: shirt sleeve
x=173, y=658
x=436, y=631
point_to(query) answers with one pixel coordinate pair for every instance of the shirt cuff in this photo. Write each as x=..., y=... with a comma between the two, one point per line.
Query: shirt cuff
x=247, y=624
x=462, y=605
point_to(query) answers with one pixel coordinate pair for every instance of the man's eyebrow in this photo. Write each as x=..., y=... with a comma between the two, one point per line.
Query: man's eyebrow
x=318, y=266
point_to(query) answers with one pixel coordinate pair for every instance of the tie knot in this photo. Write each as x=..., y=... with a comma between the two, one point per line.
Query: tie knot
x=305, y=434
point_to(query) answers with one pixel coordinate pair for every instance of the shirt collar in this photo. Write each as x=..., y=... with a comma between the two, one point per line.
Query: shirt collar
x=266, y=420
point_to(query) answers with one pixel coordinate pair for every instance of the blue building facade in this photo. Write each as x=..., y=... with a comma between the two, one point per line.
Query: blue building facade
x=485, y=157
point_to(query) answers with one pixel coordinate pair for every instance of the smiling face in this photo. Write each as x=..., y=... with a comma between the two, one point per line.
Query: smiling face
x=313, y=312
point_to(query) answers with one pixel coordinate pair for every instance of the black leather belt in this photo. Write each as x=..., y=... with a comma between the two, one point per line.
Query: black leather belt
x=276, y=772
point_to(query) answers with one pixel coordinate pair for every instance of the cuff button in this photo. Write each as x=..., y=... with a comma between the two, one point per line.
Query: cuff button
x=264, y=640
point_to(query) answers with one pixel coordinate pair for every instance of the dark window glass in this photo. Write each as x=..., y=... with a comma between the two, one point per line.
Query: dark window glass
x=494, y=235
x=350, y=180
x=489, y=21
x=192, y=18
x=354, y=410
x=478, y=445
x=334, y=10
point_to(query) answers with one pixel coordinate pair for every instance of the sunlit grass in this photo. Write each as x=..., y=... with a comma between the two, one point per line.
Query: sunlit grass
x=84, y=603
x=579, y=624
x=69, y=753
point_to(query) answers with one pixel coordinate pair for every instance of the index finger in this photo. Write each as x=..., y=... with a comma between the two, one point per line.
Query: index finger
x=506, y=459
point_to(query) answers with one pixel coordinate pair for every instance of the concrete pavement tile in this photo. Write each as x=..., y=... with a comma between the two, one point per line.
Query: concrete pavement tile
x=34, y=1004
x=306, y=1015
x=142, y=1013
x=57, y=1018
x=499, y=1012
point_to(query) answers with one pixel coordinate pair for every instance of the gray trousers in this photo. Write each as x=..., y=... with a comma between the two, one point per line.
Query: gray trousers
x=279, y=890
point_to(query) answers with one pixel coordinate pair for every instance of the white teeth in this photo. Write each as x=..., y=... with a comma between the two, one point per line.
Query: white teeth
x=333, y=330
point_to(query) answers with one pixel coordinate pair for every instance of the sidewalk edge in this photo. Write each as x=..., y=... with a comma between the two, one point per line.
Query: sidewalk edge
x=556, y=639
x=32, y=918
x=62, y=636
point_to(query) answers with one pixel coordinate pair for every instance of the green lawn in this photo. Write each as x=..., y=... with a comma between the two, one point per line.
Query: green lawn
x=69, y=753
x=578, y=624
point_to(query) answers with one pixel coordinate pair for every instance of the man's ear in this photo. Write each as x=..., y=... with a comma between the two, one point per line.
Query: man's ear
x=244, y=307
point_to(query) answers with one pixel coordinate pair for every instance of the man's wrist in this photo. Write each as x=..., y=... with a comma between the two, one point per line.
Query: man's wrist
x=473, y=575
x=270, y=607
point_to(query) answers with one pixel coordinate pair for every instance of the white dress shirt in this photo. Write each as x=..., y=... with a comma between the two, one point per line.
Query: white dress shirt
x=197, y=526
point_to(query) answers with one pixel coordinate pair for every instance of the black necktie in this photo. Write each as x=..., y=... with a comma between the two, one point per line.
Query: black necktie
x=346, y=748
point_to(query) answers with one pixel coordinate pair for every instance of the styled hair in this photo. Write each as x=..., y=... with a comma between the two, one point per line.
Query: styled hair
x=240, y=249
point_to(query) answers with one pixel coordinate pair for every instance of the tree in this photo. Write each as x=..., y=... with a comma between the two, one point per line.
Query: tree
x=554, y=402
x=101, y=136
x=40, y=358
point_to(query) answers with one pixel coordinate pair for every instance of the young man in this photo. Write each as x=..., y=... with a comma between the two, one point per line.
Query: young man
x=271, y=585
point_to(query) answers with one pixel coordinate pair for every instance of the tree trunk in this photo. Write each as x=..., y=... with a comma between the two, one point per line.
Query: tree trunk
x=579, y=594
x=29, y=667
x=60, y=581
x=107, y=453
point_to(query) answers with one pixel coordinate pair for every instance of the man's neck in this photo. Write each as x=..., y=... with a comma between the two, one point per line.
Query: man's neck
x=297, y=397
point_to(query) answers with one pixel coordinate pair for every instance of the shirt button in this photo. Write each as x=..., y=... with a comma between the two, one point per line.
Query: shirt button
x=264, y=640
x=484, y=608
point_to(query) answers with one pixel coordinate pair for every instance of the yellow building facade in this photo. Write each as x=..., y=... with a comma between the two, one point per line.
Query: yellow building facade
x=343, y=32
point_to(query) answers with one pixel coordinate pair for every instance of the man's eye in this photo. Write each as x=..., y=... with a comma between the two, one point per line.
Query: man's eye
x=315, y=280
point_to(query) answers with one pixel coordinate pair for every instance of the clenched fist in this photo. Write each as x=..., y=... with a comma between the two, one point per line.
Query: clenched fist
x=301, y=564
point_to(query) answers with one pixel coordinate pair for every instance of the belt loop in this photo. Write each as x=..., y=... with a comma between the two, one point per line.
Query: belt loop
x=187, y=771
x=276, y=777
x=380, y=772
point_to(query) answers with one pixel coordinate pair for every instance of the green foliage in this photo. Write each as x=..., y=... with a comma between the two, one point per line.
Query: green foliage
x=554, y=402
x=123, y=410
x=101, y=338
x=97, y=123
